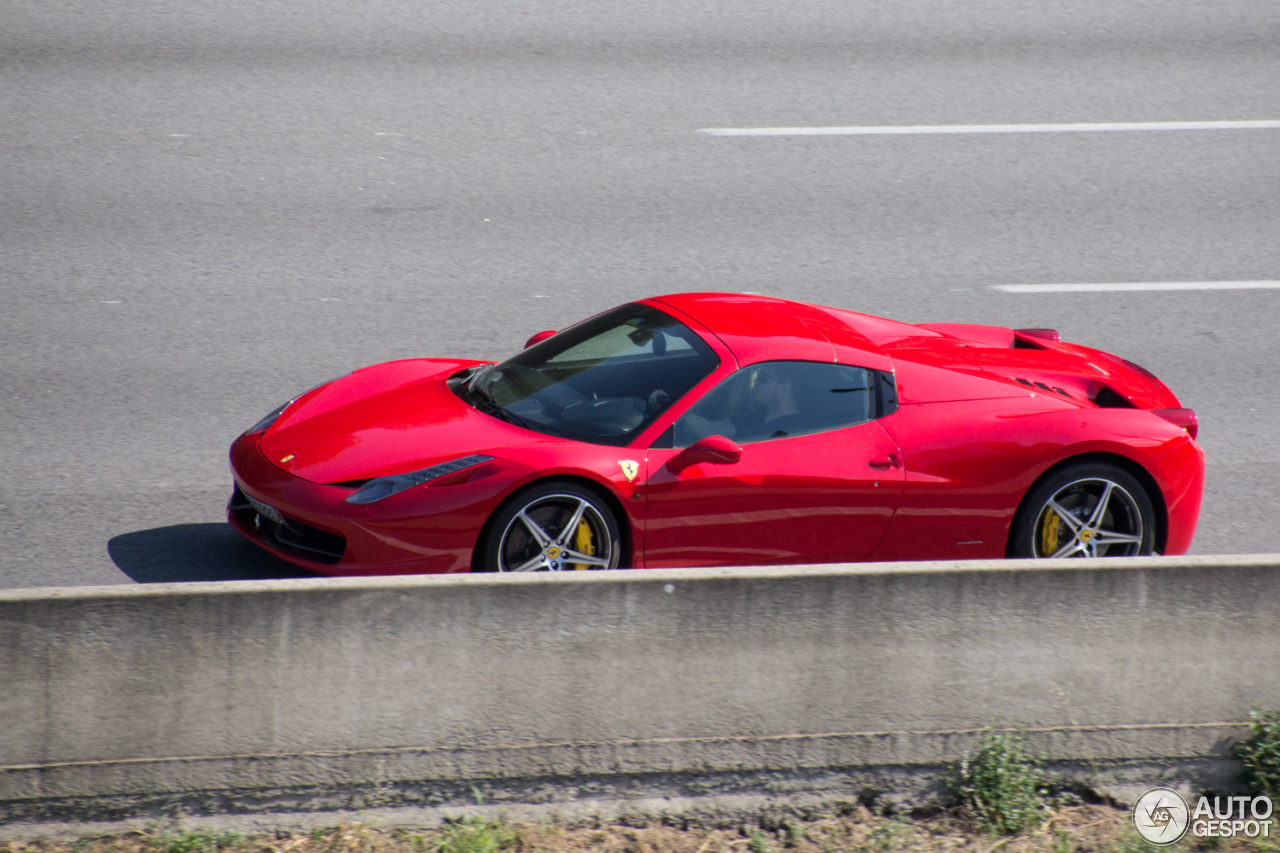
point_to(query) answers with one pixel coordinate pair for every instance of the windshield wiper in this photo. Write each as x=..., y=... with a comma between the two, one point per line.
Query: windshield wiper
x=488, y=404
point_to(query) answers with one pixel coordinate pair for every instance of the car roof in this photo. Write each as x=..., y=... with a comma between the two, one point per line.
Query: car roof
x=764, y=328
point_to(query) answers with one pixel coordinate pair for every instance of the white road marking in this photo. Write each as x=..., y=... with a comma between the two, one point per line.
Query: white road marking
x=924, y=129
x=1136, y=285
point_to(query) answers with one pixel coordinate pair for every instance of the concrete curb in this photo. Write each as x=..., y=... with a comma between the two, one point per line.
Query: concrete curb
x=684, y=687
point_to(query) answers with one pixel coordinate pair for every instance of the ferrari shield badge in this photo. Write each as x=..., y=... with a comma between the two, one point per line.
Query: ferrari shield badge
x=629, y=468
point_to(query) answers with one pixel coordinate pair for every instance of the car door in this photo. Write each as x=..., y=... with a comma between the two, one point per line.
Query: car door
x=817, y=480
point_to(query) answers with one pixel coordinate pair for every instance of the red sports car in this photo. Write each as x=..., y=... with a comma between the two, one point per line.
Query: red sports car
x=709, y=429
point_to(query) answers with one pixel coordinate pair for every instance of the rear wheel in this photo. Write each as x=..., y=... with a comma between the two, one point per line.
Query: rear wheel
x=556, y=527
x=1091, y=509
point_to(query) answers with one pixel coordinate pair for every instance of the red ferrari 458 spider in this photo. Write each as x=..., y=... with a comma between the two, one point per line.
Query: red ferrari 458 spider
x=712, y=429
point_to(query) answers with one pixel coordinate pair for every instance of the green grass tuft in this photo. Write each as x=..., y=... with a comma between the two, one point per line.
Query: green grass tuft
x=476, y=835
x=758, y=843
x=195, y=841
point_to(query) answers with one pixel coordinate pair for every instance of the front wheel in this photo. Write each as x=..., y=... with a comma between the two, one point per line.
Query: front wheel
x=557, y=527
x=1085, y=510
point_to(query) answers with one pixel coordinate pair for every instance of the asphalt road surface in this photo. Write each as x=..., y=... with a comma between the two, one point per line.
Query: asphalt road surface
x=208, y=207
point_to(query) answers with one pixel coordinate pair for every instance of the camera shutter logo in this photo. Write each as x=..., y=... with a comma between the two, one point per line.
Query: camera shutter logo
x=1161, y=816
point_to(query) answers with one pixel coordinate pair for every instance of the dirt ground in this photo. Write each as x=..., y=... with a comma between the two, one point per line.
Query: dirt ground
x=1076, y=829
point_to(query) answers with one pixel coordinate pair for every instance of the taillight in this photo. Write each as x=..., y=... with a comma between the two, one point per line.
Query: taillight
x=1184, y=418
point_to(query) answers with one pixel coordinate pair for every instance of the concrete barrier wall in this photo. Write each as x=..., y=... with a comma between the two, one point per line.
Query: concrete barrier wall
x=306, y=695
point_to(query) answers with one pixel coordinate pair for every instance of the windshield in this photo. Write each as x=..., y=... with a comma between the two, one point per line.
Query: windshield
x=602, y=381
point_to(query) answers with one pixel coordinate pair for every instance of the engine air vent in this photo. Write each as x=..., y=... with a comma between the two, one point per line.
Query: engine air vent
x=1043, y=334
x=1052, y=389
x=1109, y=399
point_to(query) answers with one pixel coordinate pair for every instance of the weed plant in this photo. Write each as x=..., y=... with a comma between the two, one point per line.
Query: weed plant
x=1260, y=753
x=1001, y=785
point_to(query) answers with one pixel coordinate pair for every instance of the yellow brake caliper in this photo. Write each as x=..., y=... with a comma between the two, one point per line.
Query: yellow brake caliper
x=583, y=543
x=1049, y=533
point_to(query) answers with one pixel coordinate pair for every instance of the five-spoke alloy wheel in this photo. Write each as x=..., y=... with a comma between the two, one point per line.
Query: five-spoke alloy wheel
x=556, y=527
x=1085, y=510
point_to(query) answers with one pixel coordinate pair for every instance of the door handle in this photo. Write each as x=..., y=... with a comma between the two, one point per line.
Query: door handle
x=890, y=461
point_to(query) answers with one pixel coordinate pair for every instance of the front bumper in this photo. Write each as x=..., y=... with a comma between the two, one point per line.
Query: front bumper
x=288, y=537
x=424, y=530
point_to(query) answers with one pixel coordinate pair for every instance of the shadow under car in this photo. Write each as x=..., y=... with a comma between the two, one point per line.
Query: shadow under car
x=195, y=552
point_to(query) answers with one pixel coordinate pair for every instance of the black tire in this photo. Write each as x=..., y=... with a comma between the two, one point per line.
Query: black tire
x=1059, y=516
x=510, y=543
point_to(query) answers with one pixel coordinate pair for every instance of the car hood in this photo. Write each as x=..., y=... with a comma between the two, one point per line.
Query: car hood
x=386, y=419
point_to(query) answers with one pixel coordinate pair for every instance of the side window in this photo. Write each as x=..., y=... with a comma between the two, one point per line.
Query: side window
x=779, y=399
